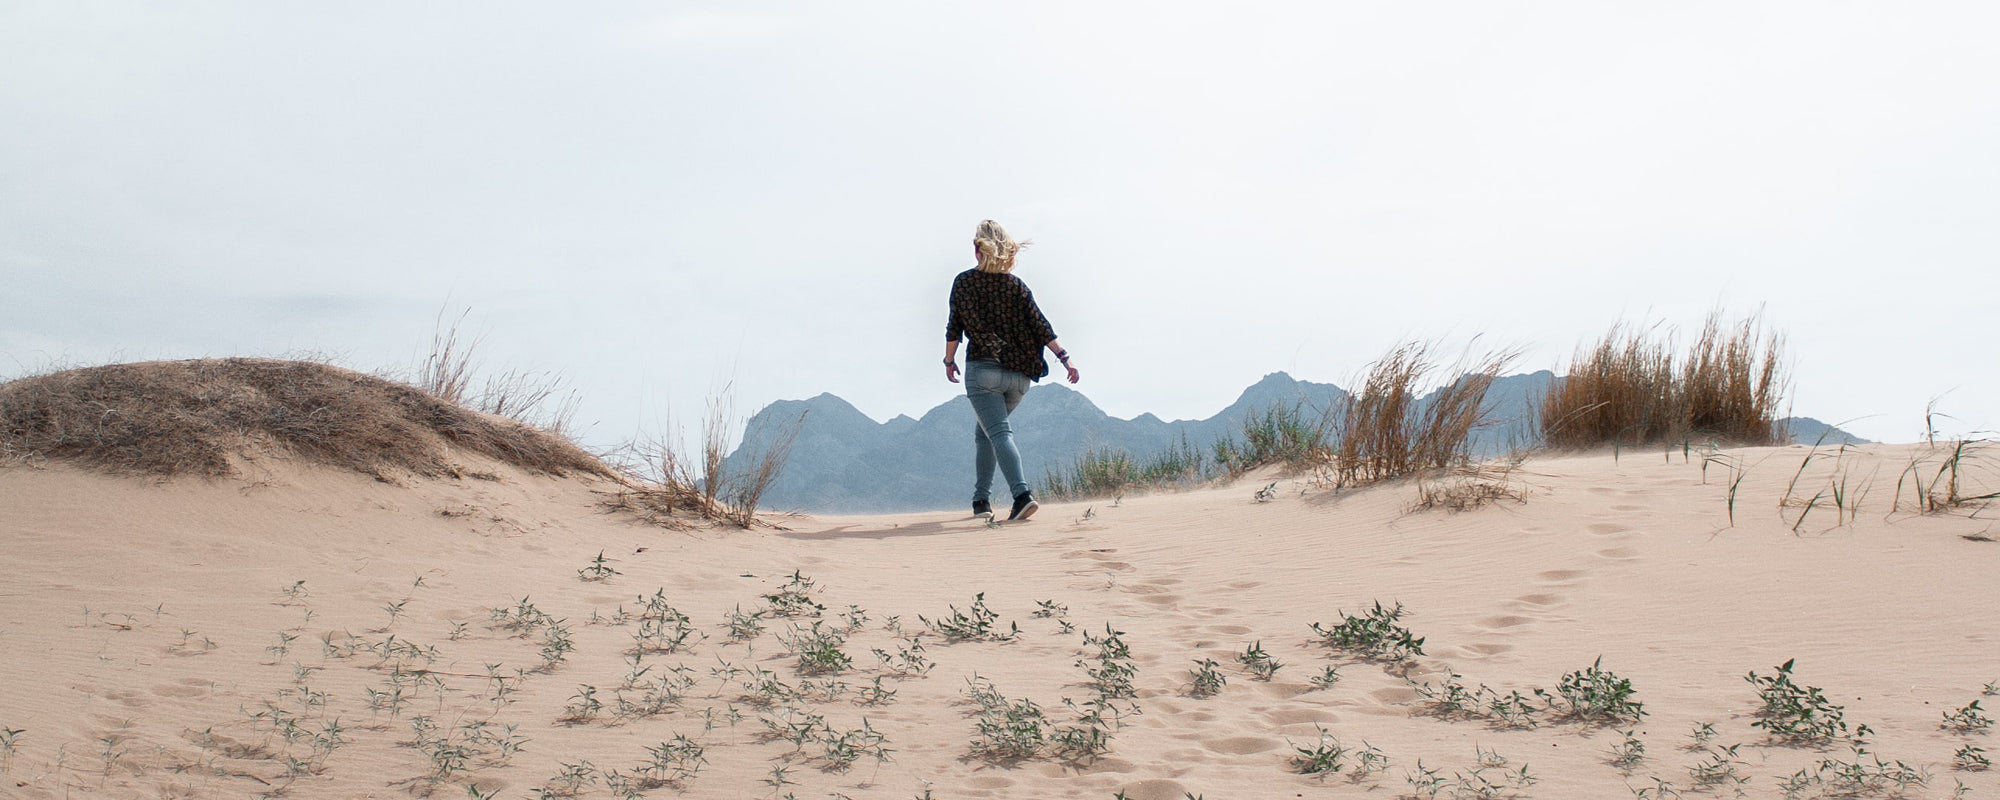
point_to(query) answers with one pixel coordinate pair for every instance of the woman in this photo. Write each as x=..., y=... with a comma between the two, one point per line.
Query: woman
x=994, y=312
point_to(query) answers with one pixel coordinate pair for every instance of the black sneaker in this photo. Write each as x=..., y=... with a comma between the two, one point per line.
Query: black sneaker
x=1024, y=506
x=982, y=509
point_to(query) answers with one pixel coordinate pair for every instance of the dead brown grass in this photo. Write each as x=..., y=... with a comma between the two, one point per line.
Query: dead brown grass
x=1631, y=389
x=1388, y=430
x=193, y=417
x=1469, y=487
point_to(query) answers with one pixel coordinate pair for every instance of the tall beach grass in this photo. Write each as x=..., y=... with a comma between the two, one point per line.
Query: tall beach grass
x=1633, y=387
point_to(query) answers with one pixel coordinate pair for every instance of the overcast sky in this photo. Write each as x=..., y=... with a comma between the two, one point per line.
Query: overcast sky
x=658, y=199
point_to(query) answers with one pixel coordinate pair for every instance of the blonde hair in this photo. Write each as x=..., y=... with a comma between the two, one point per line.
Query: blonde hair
x=996, y=248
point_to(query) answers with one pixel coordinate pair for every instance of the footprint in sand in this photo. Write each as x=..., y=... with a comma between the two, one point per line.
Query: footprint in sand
x=1618, y=553
x=1607, y=528
x=1482, y=650
x=1539, y=601
x=1154, y=790
x=1243, y=745
x=1627, y=507
x=1304, y=716
x=1502, y=622
x=1561, y=577
x=180, y=690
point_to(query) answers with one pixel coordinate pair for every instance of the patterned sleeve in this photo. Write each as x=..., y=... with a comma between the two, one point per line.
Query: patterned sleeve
x=954, y=328
x=1038, y=324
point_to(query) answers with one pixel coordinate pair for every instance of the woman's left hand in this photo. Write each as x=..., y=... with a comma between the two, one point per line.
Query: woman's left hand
x=1074, y=376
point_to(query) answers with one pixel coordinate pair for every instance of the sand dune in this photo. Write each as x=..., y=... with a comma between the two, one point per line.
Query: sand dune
x=195, y=639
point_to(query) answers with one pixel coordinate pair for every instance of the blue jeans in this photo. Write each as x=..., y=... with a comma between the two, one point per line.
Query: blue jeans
x=994, y=391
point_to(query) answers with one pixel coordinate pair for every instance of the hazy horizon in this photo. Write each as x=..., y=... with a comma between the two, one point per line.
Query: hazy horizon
x=660, y=200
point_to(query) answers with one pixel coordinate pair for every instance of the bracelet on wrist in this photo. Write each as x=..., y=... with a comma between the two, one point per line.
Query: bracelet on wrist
x=950, y=363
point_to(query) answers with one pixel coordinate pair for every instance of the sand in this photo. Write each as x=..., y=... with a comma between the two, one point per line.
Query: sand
x=161, y=639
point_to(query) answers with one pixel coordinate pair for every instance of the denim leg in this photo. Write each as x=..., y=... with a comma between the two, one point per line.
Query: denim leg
x=994, y=393
x=982, y=463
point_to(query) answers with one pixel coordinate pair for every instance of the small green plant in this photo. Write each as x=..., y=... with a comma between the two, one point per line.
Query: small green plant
x=522, y=620
x=1112, y=672
x=672, y=763
x=1449, y=698
x=582, y=707
x=1327, y=677
x=1511, y=710
x=1048, y=609
x=818, y=649
x=1862, y=773
x=744, y=626
x=1260, y=664
x=1205, y=680
x=10, y=739
x=1969, y=719
x=1660, y=790
x=1720, y=768
x=395, y=609
x=1970, y=758
x=976, y=623
x=1627, y=753
x=839, y=751
x=1369, y=760
x=907, y=660
x=794, y=599
x=1796, y=714
x=1321, y=759
x=662, y=628
x=1006, y=730
x=599, y=570
x=1702, y=734
x=284, y=645
x=1374, y=634
x=1595, y=695
x=875, y=694
x=556, y=646
x=1425, y=782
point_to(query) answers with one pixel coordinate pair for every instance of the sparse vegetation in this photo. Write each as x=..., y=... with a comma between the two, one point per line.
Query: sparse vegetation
x=1388, y=430
x=976, y=623
x=1796, y=714
x=194, y=417
x=1108, y=472
x=1205, y=680
x=1375, y=634
x=1595, y=695
x=1632, y=389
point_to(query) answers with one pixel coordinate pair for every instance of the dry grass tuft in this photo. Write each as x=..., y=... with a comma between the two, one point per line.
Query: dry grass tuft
x=1631, y=389
x=662, y=486
x=1469, y=487
x=192, y=417
x=1388, y=430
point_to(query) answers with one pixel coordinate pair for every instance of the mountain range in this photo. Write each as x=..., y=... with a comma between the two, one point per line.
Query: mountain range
x=844, y=462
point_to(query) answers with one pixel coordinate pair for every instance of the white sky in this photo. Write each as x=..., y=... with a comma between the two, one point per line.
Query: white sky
x=655, y=199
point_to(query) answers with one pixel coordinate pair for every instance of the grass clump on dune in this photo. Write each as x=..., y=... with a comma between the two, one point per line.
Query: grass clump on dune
x=1388, y=430
x=194, y=417
x=1632, y=388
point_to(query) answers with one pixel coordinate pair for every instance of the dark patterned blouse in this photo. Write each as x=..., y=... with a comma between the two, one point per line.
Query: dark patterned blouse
x=996, y=315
